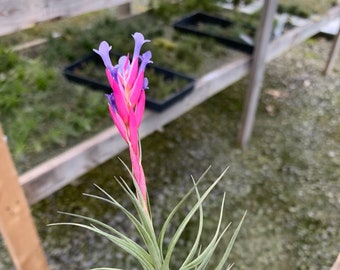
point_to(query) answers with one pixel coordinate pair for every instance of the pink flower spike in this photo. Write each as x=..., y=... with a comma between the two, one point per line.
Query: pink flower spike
x=127, y=102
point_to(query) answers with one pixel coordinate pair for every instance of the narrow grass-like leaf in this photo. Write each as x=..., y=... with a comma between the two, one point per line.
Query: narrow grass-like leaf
x=132, y=218
x=151, y=240
x=230, y=266
x=230, y=245
x=146, y=232
x=184, y=223
x=199, y=231
x=170, y=216
x=145, y=261
x=205, y=256
x=109, y=228
x=150, y=237
x=212, y=246
x=128, y=245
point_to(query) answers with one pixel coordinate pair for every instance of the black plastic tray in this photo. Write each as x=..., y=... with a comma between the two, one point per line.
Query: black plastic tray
x=189, y=24
x=103, y=86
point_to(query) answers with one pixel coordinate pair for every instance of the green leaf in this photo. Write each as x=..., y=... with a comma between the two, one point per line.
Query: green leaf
x=170, y=216
x=203, y=259
x=230, y=245
x=125, y=243
x=186, y=220
x=146, y=232
x=199, y=232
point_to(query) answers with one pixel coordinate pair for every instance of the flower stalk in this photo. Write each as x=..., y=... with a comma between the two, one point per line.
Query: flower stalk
x=127, y=101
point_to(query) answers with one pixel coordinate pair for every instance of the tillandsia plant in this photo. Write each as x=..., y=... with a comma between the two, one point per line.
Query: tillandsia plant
x=126, y=106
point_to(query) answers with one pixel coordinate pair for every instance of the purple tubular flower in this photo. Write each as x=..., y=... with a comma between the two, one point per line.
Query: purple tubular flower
x=139, y=41
x=104, y=52
x=123, y=64
x=146, y=59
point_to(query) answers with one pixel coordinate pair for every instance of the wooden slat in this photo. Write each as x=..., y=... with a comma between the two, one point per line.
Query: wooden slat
x=263, y=35
x=21, y=14
x=16, y=223
x=299, y=34
x=52, y=175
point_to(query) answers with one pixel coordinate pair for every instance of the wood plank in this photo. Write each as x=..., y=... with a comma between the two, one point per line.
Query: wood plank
x=48, y=177
x=67, y=8
x=263, y=35
x=299, y=34
x=21, y=14
x=16, y=223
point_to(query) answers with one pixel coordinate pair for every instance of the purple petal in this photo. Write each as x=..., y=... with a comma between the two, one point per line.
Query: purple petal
x=146, y=59
x=146, y=83
x=123, y=64
x=112, y=102
x=104, y=52
x=114, y=72
x=139, y=41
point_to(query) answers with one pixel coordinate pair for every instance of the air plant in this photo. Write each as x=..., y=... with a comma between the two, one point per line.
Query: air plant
x=126, y=105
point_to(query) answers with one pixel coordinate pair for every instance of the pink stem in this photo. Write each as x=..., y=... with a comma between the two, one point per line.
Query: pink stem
x=138, y=173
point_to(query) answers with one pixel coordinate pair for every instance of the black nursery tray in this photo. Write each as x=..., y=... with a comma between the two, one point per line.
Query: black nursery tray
x=89, y=71
x=207, y=25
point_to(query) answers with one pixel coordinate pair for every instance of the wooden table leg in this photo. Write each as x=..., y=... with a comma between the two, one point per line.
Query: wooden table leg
x=16, y=223
x=257, y=71
x=333, y=53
